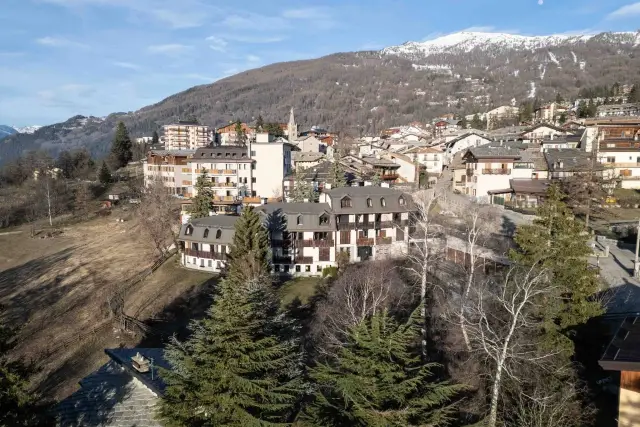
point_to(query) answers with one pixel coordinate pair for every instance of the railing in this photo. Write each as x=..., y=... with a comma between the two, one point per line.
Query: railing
x=363, y=241
x=400, y=222
x=383, y=241
x=496, y=171
x=621, y=165
x=224, y=198
x=224, y=184
x=251, y=200
x=313, y=243
x=222, y=172
x=304, y=260
x=460, y=183
x=469, y=172
x=344, y=226
x=389, y=176
x=206, y=254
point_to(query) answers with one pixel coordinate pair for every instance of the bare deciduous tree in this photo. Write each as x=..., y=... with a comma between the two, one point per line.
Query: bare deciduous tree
x=501, y=322
x=361, y=291
x=158, y=217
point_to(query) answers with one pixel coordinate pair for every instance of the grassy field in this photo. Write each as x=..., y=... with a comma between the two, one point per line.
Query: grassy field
x=302, y=288
x=56, y=289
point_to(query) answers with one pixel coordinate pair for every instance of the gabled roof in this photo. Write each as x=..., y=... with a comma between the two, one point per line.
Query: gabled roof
x=222, y=153
x=465, y=135
x=308, y=213
x=359, y=196
x=484, y=152
x=550, y=126
x=570, y=159
x=224, y=223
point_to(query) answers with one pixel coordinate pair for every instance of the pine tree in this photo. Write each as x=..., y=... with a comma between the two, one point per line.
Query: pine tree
x=121, y=153
x=337, y=172
x=376, y=180
x=260, y=123
x=557, y=242
x=302, y=189
x=378, y=379
x=634, y=95
x=249, y=254
x=155, y=139
x=559, y=98
x=241, y=136
x=232, y=371
x=463, y=123
x=18, y=406
x=476, y=123
x=203, y=200
x=82, y=199
x=563, y=118
x=105, y=174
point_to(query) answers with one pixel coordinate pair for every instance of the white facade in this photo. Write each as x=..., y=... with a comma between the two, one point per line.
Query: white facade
x=431, y=158
x=310, y=144
x=483, y=177
x=463, y=143
x=624, y=165
x=229, y=179
x=407, y=170
x=272, y=164
x=186, y=136
x=538, y=133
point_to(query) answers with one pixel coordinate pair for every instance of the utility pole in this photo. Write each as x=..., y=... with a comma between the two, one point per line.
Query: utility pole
x=636, y=266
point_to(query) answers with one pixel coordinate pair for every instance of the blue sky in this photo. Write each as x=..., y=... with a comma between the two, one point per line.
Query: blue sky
x=59, y=58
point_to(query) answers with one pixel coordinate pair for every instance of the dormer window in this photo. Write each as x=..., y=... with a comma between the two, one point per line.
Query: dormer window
x=189, y=230
x=324, y=219
x=219, y=154
x=383, y=202
x=218, y=233
x=401, y=201
x=345, y=202
x=369, y=203
x=299, y=220
x=206, y=233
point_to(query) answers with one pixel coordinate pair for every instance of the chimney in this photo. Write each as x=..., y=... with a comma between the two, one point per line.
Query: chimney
x=140, y=363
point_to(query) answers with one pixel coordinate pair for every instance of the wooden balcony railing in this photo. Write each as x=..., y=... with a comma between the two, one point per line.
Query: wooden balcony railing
x=460, y=183
x=622, y=165
x=383, y=241
x=344, y=226
x=363, y=241
x=224, y=184
x=389, y=176
x=496, y=171
x=206, y=254
x=311, y=243
x=222, y=172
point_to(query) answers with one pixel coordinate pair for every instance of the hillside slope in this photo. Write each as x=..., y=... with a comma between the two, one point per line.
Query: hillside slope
x=367, y=91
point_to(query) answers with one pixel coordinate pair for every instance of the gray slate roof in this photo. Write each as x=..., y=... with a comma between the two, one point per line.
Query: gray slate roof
x=359, y=196
x=569, y=159
x=492, y=152
x=223, y=223
x=309, y=214
x=221, y=153
x=303, y=156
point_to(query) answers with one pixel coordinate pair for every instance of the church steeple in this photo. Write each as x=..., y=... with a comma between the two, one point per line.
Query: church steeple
x=292, y=128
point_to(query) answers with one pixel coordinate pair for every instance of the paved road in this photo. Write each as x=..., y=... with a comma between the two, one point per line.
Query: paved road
x=617, y=270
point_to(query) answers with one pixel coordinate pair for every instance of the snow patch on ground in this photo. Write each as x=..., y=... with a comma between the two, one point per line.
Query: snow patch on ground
x=553, y=59
x=374, y=109
x=28, y=129
x=583, y=64
x=575, y=58
x=543, y=71
x=420, y=92
x=429, y=67
x=516, y=73
x=532, y=90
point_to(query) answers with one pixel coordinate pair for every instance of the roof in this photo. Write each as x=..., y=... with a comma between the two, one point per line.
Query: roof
x=176, y=153
x=302, y=156
x=623, y=352
x=359, y=196
x=223, y=153
x=465, y=135
x=116, y=395
x=550, y=126
x=322, y=172
x=423, y=150
x=529, y=186
x=570, y=159
x=300, y=216
x=224, y=223
x=382, y=162
x=485, y=152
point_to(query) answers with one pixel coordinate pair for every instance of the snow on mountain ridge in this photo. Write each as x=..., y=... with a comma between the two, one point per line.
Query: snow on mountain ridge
x=466, y=41
x=27, y=129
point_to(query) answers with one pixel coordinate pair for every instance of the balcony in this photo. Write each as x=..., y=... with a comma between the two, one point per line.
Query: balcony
x=469, y=172
x=224, y=184
x=345, y=226
x=311, y=243
x=363, y=241
x=383, y=241
x=206, y=254
x=224, y=199
x=389, y=176
x=621, y=165
x=496, y=171
x=460, y=183
x=222, y=172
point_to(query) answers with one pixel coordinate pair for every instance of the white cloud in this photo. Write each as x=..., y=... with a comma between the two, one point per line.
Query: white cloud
x=628, y=11
x=540, y=2
x=127, y=65
x=171, y=49
x=254, y=22
x=306, y=13
x=58, y=42
x=217, y=43
x=254, y=40
x=184, y=18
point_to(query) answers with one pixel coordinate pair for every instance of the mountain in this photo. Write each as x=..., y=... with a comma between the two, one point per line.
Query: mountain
x=361, y=92
x=6, y=131
x=28, y=129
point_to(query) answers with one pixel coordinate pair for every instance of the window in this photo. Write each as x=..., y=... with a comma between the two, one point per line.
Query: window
x=319, y=269
x=325, y=254
x=189, y=230
x=324, y=219
x=401, y=201
x=307, y=268
x=206, y=233
x=253, y=153
x=299, y=220
x=383, y=202
x=253, y=179
x=345, y=202
x=369, y=203
x=276, y=268
x=218, y=234
x=210, y=263
x=253, y=166
x=298, y=268
x=611, y=159
x=345, y=237
x=286, y=268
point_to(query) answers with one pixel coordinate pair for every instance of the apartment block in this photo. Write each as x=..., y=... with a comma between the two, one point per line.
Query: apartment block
x=172, y=168
x=363, y=222
x=229, y=171
x=186, y=135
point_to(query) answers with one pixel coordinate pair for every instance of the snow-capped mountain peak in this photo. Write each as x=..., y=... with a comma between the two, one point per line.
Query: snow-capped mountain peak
x=27, y=129
x=466, y=41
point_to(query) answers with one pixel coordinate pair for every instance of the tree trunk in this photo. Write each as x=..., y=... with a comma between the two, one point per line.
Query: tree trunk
x=423, y=305
x=463, y=300
x=495, y=392
x=49, y=204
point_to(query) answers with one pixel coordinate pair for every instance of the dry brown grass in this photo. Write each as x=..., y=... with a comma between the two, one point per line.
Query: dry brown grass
x=55, y=290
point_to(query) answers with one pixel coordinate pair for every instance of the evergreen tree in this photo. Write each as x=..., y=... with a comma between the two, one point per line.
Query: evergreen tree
x=376, y=180
x=155, y=139
x=378, y=379
x=260, y=123
x=591, y=109
x=203, y=200
x=232, y=371
x=18, y=406
x=249, y=254
x=634, y=95
x=241, y=136
x=557, y=242
x=559, y=98
x=337, y=172
x=301, y=189
x=274, y=129
x=463, y=123
x=563, y=118
x=476, y=123
x=121, y=153
x=105, y=174
x=582, y=110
